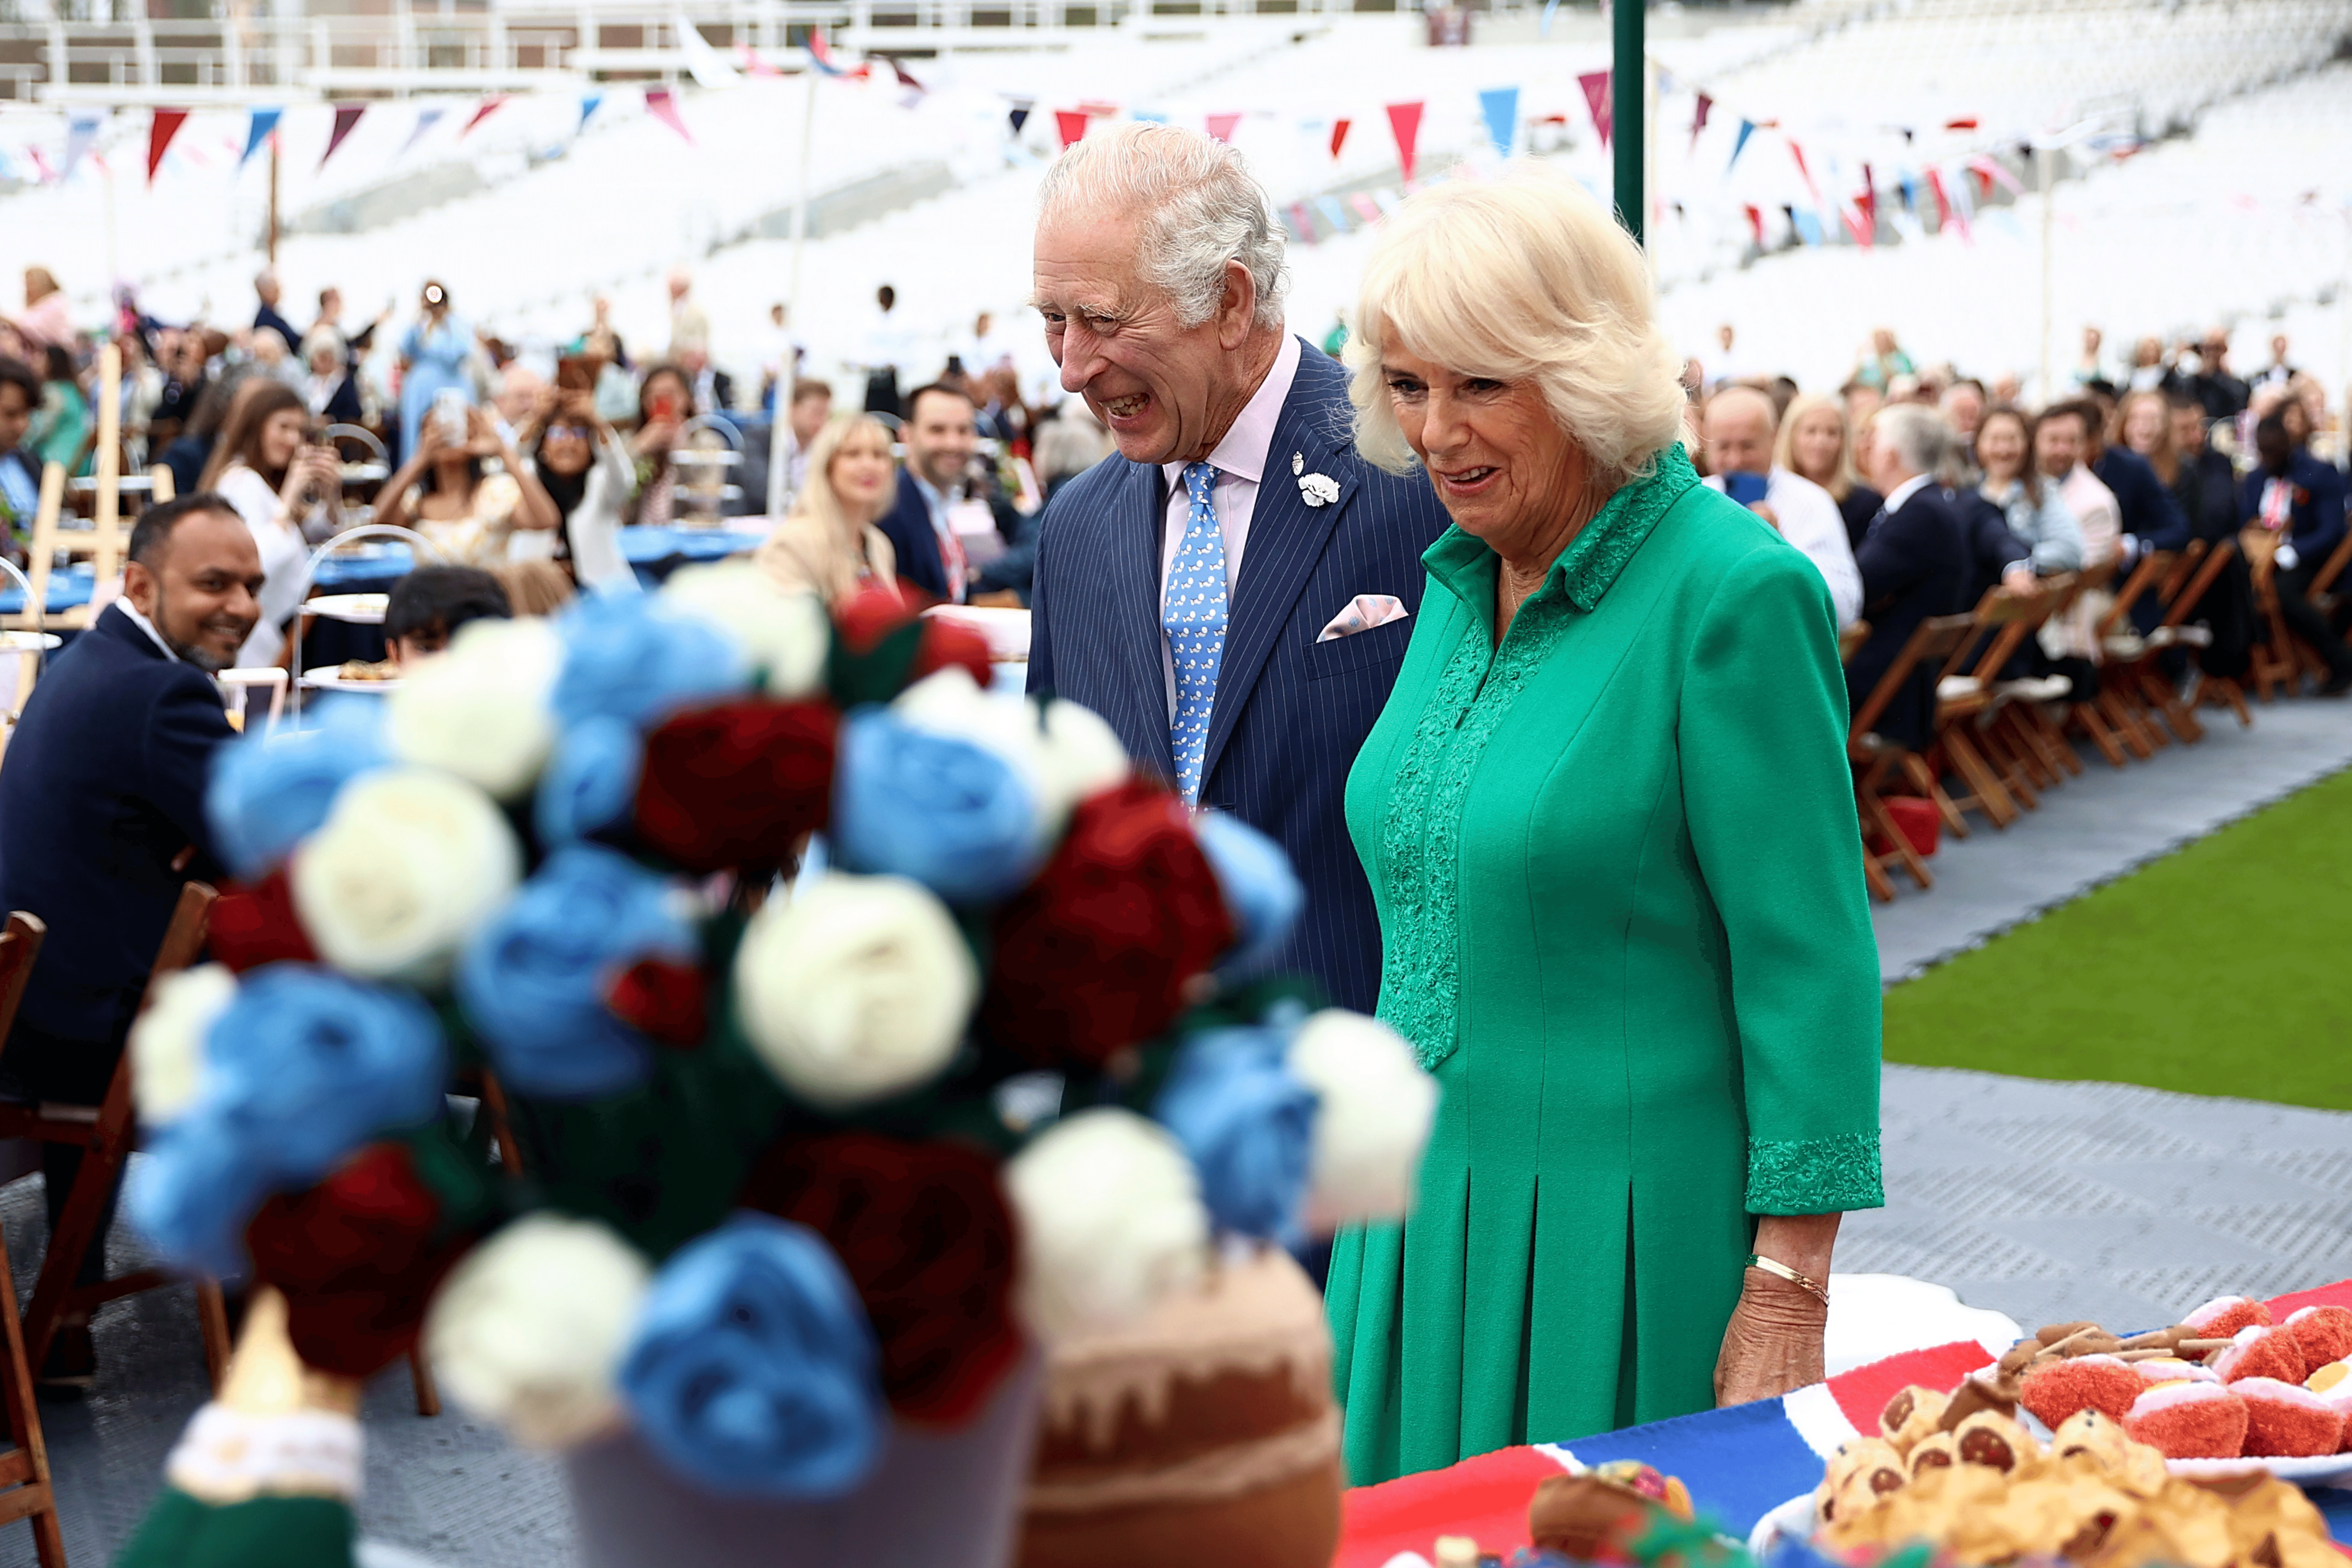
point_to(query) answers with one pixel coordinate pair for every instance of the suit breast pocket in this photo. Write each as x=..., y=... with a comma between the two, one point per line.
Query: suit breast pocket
x=1374, y=644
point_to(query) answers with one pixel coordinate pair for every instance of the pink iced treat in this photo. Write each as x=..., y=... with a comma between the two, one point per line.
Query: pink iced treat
x=2168, y=1369
x=2323, y=1333
x=2285, y=1420
x=2222, y=1317
x=2261, y=1352
x=2190, y=1421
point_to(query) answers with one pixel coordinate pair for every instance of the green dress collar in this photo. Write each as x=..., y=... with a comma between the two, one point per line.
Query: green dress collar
x=1591, y=565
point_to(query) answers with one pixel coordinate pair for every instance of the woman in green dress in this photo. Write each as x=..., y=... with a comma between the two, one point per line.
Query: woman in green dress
x=1609, y=829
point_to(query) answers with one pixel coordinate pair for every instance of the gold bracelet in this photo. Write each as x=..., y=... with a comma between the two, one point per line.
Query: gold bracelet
x=1781, y=1271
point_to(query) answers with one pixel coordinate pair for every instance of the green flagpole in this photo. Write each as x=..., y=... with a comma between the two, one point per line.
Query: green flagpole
x=1628, y=107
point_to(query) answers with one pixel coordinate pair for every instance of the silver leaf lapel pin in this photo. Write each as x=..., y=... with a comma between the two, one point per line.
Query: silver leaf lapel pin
x=1297, y=463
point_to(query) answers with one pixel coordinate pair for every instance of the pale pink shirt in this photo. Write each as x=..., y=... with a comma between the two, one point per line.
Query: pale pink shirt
x=1240, y=460
x=2094, y=506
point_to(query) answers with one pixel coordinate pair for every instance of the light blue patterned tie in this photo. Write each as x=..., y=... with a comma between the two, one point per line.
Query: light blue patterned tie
x=1194, y=613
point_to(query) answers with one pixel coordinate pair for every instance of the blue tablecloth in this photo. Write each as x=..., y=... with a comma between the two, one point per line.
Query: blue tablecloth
x=67, y=589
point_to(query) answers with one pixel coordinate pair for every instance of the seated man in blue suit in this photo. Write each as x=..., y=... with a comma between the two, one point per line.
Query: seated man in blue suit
x=1914, y=563
x=101, y=815
x=943, y=440
x=1195, y=588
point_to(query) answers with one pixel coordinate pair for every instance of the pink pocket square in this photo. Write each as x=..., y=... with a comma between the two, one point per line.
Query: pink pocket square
x=1364, y=612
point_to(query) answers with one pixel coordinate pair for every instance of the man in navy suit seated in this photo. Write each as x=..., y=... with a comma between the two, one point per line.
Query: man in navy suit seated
x=942, y=441
x=1914, y=561
x=1231, y=589
x=101, y=815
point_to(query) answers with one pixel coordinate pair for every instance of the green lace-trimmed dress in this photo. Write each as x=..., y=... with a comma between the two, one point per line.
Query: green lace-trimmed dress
x=1623, y=915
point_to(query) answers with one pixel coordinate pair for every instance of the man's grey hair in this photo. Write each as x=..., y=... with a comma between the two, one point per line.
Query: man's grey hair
x=1918, y=435
x=1198, y=208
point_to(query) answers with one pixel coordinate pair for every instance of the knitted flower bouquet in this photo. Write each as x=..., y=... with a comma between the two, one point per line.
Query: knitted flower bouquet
x=771, y=1169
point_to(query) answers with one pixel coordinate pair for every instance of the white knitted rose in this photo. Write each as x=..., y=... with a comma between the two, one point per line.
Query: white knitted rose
x=167, y=1043
x=529, y=1328
x=784, y=633
x=1377, y=1105
x=480, y=711
x=407, y=866
x=1083, y=753
x=1110, y=1220
x=855, y=990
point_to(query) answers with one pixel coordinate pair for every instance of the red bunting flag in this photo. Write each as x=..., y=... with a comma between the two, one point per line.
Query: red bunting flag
x=1943, y=198
x=662, y=104
x=160, y=131
x=1698, y=121
x=1404, y=119
x=1596, y=98
x=1966, y=124
x=755, y=64
x=1868, y=202
x=488, y=106
x=1339, y=134
x=1221, y=126
x=1754, y=221
x=1799, y=154
x=346, y=116
x=1072, y=124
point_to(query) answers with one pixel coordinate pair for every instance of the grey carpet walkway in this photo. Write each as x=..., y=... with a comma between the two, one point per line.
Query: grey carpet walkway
x=2100, y=826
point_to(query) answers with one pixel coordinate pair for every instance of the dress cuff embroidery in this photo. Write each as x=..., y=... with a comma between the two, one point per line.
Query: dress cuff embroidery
x=1814, y=1175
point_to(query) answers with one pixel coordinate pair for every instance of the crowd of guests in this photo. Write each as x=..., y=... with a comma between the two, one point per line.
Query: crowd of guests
x=530, y=464
x=1915, y=491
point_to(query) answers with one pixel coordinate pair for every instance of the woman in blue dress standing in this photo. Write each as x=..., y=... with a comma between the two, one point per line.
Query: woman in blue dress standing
x=432, y=359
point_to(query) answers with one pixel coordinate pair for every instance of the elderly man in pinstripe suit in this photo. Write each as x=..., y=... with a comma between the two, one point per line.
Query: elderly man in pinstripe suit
x=1233, y=589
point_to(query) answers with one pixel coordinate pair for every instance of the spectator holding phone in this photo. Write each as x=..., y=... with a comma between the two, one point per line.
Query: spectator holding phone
x=433, y=360
x=467, y=512
x=585, y=468
x=665, y=402
x=1741, y=425
x=288, y=490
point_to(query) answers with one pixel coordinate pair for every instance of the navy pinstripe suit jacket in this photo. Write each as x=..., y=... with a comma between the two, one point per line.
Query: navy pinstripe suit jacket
x=1290, y=712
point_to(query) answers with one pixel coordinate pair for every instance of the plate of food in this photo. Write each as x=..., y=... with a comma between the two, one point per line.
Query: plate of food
x=353, y=675
x=365, y=609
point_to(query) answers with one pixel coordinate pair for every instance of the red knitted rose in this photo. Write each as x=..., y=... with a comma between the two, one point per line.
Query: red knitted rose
x=923, y=1233
x=663, y=999
x=256, y=925
x=1095, y=953
x=737, y=785
x=356, y=1258
x=947, y=643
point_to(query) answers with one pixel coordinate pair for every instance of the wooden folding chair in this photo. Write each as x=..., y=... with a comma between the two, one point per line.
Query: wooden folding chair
x=2141, y=677
x=2119, y=701
x=1972, y=727
x=25, y=1490
x=106, y=1134
x=1876, y=757
x=2220, y=691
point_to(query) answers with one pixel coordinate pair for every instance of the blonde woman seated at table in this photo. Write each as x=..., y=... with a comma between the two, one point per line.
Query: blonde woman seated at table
x=829, y=544
x=1608, y=827
x=288, y=490
x=468, y=513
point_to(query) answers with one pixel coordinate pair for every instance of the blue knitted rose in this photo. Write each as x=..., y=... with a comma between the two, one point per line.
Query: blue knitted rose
x=1261, y=890
x=267, y=794
x=192, y=1194
x=753, y=1368
x=635, y=659
x=306, y=1065
x=1248, y=1126
x=591, y=781
x=532, y=980
x=937, y=809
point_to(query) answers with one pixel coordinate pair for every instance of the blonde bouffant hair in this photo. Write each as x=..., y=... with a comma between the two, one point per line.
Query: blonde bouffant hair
x=1522, y=278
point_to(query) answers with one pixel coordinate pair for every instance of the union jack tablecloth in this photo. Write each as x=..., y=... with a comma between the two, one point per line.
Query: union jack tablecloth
x=1739, y=1463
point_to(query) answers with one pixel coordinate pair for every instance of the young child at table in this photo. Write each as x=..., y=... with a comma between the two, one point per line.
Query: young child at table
x=428, y=605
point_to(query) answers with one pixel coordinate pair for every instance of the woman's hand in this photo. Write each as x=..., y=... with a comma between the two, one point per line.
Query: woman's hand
x=655, y=440
x=1773, y=1344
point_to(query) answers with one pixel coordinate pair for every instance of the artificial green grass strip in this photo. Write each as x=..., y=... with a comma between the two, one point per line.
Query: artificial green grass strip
x=2224, y=969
